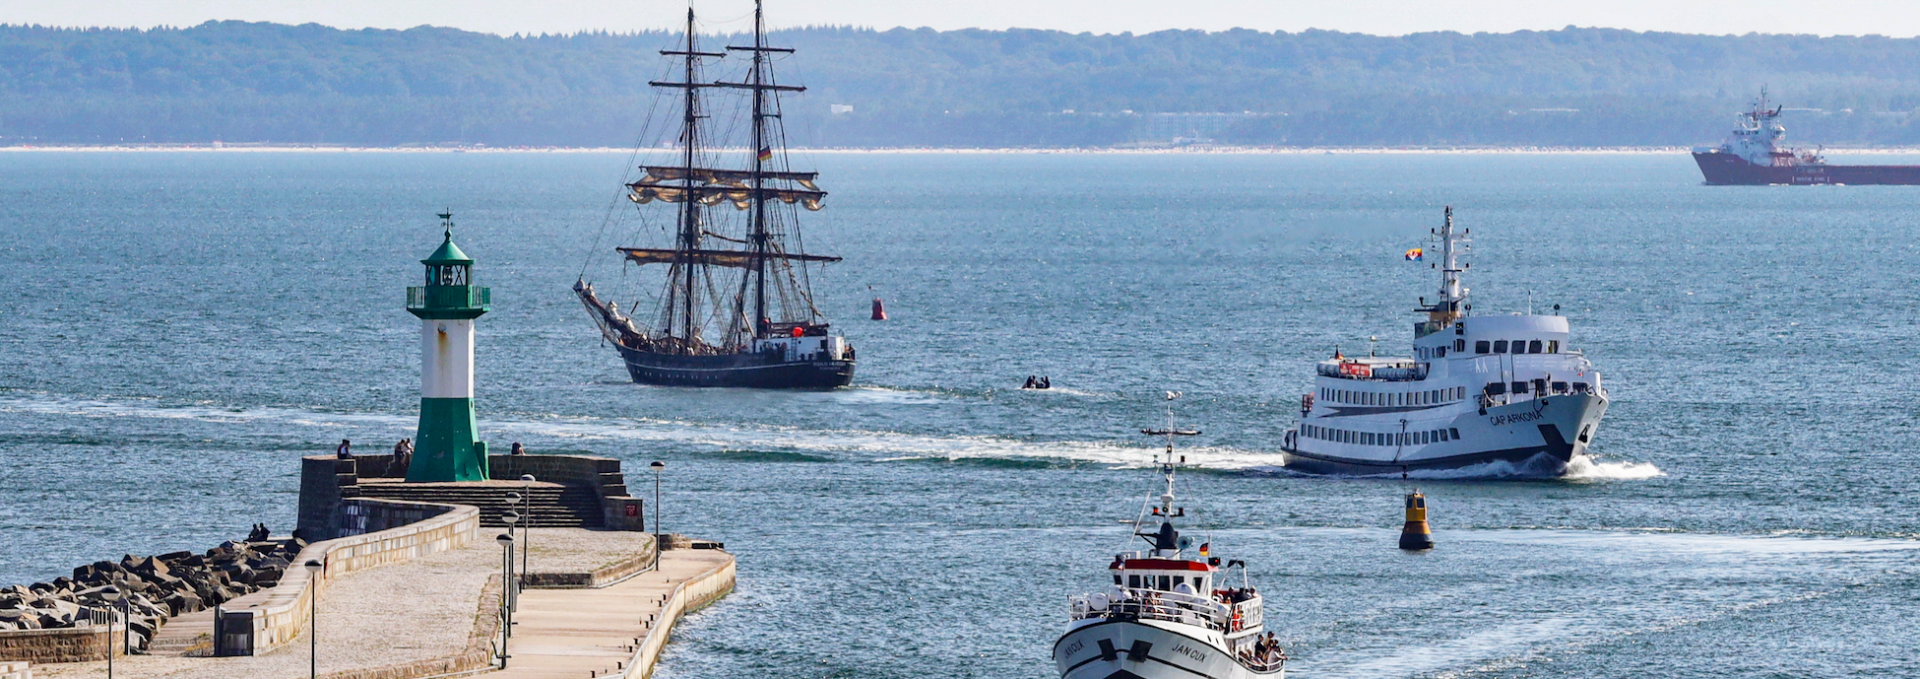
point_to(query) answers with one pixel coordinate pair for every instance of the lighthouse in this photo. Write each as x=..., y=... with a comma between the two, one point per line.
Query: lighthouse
x=446, y=448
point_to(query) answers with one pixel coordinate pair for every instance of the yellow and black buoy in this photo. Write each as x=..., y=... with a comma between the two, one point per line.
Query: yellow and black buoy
x=1416, y=536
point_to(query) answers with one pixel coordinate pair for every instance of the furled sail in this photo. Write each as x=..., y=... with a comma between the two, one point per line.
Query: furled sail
x=738, y=259
x=740, y=196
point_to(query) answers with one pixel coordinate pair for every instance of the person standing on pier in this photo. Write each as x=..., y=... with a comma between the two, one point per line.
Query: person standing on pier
x=345, y=451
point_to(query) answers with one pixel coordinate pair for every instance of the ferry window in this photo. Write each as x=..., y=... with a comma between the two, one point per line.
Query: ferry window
x=1500, y=347
x=1133, y=581
x=1553, y=346
x=1581, y=387
x=1559, y=387
x=1459, y=328
x=1496, y=388
x=1533, y=347
x=1420, y=438
x=1462, y=392
x=1519, y=346
x=1480, y=347
x=1179, y=580
x=1519, y=387
x=1116, y=578
x=1442, y=352
x=1459, y=345
x=1453, y=434
x=1165, y=585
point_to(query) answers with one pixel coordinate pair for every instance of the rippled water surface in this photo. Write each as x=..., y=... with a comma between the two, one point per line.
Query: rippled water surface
x=175, y=329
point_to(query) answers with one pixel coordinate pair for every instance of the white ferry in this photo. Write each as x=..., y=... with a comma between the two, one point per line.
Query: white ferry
x=1169, y=615
x=1506, y=393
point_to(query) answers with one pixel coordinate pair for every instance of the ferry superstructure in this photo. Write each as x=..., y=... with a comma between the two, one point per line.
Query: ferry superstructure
x=1506, y=392
x=1172, y=612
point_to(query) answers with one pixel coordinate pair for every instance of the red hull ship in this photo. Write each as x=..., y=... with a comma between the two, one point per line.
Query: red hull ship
x=1753, y=156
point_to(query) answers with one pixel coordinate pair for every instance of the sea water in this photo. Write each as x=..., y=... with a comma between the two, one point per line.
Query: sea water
x=176, y=329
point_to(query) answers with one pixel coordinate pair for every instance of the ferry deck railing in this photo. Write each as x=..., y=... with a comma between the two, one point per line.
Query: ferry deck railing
x=1188, y=609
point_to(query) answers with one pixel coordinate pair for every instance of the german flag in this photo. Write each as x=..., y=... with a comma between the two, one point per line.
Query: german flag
x=766, y=153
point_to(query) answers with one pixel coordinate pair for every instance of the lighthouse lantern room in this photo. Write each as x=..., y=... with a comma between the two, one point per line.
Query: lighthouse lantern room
x=446, y=447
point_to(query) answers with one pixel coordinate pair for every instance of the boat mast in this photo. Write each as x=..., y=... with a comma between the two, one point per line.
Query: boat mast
x=759, y=241
x=759, y=227
x=1451, y=305
x=683, y=290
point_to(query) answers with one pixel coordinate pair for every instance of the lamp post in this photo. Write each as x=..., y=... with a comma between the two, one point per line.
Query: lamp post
x=511, y=592
x=657, y=535
x=313, y=617
x=506, y=580
x=526, y=530
x=112, y=595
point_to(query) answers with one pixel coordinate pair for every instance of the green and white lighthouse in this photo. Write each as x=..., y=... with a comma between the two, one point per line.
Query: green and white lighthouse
x=446, y=448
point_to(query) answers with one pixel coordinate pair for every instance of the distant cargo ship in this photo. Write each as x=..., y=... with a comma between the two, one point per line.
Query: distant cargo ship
x=1753, y=156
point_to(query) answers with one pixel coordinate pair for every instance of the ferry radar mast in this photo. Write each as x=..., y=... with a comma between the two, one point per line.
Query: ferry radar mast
x=1452, y=302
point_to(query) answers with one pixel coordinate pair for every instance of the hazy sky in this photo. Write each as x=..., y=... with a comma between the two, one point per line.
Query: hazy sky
x=1385, y=17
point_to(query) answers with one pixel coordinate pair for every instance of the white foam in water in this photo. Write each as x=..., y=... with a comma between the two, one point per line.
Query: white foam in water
x=1584, y=468
x=876, y=446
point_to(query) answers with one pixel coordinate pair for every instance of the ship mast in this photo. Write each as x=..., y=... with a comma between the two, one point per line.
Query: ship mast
x=686, y=261
x=1453, y=296
x=758, y=239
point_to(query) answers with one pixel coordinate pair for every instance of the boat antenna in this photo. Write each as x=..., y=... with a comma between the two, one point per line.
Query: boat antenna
x=1167, y=465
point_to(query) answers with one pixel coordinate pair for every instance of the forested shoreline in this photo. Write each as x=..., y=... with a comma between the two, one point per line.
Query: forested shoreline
x=241, y=82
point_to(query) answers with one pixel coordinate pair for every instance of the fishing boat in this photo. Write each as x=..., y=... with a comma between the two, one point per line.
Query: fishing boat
x=1173, y=611
x=1508, y=394
x=738, y=310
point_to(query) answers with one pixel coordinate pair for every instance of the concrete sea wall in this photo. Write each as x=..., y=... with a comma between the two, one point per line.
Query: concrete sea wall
x=686, y=597
x=283, y=615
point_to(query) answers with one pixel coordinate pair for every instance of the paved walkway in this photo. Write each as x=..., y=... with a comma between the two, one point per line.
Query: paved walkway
x=581, y=633
x=417, y=610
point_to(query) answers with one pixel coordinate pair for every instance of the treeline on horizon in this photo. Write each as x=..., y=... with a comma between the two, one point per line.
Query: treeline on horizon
x=242, y=82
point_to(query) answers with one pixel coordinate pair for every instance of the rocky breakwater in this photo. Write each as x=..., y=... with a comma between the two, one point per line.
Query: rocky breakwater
x=156, y=588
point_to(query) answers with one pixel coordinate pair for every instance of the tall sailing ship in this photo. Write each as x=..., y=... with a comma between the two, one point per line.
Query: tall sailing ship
x=738, y=310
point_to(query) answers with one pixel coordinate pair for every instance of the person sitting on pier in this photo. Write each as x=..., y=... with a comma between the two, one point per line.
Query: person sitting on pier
x=518, y=449
x=344, y=451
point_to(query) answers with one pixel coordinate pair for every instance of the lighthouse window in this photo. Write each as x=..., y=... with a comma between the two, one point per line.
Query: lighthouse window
x=1533, y=347
x=1500, y=347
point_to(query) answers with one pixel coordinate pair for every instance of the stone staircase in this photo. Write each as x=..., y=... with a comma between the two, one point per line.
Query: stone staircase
x=554, y=505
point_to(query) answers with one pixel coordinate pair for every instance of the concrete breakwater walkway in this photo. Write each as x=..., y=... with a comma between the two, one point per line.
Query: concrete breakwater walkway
x=397, y=621
x=617, y=631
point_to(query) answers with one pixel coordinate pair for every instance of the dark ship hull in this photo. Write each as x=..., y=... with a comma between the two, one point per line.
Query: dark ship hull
x=1728, y=169
x=766, y=370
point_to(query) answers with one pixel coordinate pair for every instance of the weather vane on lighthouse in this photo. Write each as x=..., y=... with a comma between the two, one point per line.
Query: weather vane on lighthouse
x=447, y=448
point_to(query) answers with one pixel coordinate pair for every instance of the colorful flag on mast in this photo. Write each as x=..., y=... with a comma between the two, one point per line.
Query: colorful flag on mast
x=1416, y=255
x=766, y=153
x=1204, y=548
